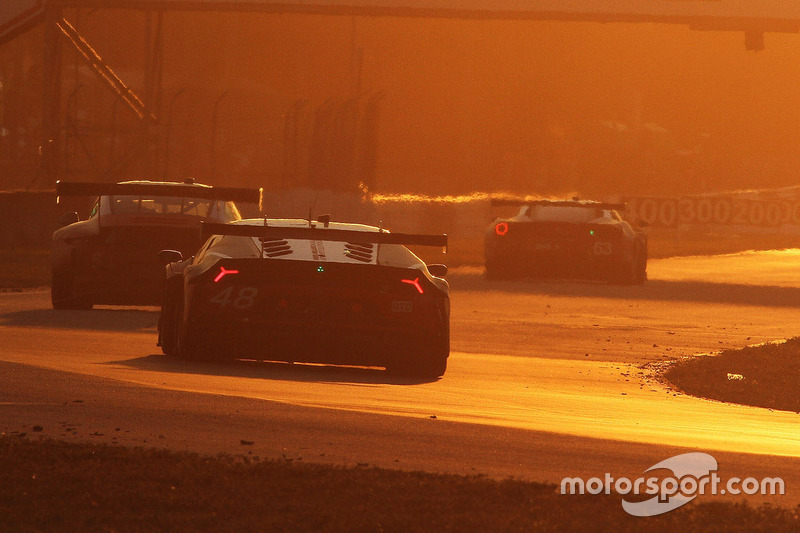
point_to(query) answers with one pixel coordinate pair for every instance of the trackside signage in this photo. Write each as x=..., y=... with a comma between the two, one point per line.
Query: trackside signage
x=764, y=211
x=671, y=484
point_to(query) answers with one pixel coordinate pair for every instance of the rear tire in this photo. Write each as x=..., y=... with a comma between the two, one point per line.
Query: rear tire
x=62, y=291
x=170, y=322
x=641, y=269
x=428, y=361
x=169, y=344
x=626, y=275
x=182, y=345
x=632, y=273
x=186, y=346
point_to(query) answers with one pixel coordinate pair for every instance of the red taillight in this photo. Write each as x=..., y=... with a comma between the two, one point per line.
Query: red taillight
x=501, y=228
x=223, y=273
x=415, y=283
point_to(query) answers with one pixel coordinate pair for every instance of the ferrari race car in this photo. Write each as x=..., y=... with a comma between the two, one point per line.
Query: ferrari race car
x=112, y=257
x=296, y=291
x=566, y=239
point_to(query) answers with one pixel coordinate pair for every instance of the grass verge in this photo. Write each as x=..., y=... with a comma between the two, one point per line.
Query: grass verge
x=762, y=376
x=49, y=485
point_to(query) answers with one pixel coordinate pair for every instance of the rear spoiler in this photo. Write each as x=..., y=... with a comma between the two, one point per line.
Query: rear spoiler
x=323, y=234
x=178, y=190
x=557, y=203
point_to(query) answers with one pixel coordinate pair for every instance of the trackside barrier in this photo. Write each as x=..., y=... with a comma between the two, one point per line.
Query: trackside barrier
x=774, y=211
x=29, y=218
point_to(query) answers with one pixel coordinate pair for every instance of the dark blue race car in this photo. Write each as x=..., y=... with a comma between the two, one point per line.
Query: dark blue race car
x=318, y=292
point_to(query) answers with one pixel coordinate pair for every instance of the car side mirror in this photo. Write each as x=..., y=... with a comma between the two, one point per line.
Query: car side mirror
x=69, y=218
x=438, y=270
x=166, y=257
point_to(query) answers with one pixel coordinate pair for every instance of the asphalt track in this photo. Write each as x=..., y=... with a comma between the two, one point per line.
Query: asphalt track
x=545, y=380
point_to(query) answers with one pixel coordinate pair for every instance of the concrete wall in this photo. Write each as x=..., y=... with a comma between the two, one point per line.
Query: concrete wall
x=29, y=218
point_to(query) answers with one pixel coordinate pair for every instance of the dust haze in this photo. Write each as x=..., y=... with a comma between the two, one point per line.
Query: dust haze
x=391, y=105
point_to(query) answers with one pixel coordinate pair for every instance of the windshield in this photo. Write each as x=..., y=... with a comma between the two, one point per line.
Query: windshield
x=565, y=213
x=169, y=205
x=306, y=250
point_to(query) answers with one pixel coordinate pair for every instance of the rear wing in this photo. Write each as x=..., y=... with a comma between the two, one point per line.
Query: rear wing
x=323, y=234
x=178, y=190
x=557, y=203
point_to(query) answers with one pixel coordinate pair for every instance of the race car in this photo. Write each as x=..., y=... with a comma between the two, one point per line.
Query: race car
x=112, y=257
x=317, y=292
x=566, y=239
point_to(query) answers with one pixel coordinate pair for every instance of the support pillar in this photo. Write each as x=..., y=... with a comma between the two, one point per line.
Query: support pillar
x=51, y=133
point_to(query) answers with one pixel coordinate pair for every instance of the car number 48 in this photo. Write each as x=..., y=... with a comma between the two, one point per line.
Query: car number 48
x=245, y=298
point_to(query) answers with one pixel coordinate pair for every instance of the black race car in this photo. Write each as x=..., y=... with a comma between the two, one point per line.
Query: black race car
x=320, y=292
x=111, y=257
x=566, y=239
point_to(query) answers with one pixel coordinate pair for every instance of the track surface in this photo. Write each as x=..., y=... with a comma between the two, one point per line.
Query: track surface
x=545, y=380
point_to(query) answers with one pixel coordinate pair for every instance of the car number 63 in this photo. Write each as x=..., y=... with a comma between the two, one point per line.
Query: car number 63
x=245, y=298
x=602, y=248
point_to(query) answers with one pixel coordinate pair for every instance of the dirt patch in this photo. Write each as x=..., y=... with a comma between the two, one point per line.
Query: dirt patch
x=762, y=376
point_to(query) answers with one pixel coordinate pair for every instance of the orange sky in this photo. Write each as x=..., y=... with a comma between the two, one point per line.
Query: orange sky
x=533, y=107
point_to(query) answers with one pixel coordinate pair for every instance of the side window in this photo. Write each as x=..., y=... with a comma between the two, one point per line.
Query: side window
x=397, y=255
x=221, y=211
x=236, y=246
x=231, y=212
x=203, y=249
x=126, y=205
